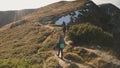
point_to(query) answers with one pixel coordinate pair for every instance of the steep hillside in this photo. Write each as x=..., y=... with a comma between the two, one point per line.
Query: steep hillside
x=31, y=41
x=7, y=17
x=114, y=22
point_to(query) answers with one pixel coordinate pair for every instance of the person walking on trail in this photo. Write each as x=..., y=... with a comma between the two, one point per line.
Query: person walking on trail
x=61, y=45
x=64, y=28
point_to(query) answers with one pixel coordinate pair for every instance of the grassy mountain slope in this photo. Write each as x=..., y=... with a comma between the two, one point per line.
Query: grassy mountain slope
x=27, y=43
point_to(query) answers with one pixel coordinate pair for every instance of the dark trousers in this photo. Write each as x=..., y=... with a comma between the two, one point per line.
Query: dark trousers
x=60, y=50
x=64, y=32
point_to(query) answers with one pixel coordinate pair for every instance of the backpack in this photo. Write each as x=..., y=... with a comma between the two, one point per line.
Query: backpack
x=62, y=45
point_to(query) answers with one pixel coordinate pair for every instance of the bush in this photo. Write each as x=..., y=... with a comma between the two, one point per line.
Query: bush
x=89, y=34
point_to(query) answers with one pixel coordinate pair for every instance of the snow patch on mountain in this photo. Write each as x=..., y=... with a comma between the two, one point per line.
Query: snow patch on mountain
x=65, y=19
x=71, y=17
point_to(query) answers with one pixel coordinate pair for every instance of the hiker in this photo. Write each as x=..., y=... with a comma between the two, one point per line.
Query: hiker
x=64, y=28
x=67, y=27
x=61, y=45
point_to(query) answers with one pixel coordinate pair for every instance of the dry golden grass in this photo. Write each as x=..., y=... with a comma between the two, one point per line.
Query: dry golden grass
x=31, y=43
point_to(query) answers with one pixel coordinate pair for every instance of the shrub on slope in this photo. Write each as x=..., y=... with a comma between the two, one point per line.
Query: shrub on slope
x=89, y=34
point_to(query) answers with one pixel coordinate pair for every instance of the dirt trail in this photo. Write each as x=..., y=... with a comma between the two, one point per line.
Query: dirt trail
x=65, y=62
x=48, y=26
x=62, y=62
